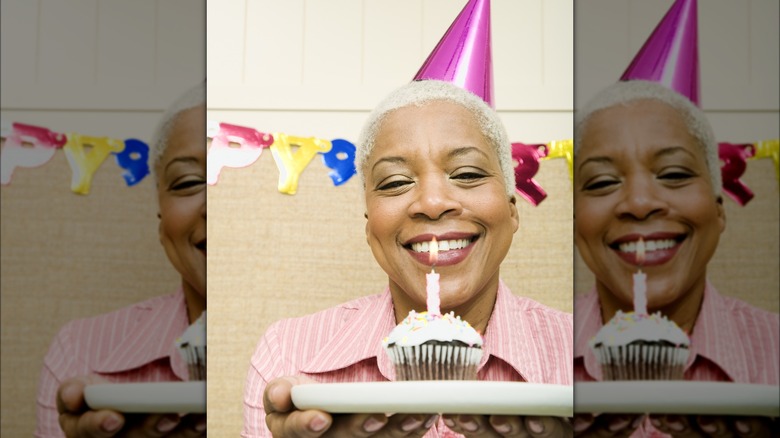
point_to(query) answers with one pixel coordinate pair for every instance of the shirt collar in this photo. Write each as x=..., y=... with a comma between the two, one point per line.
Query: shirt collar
x=715, y=335
x=359, y=339
x=158, y=322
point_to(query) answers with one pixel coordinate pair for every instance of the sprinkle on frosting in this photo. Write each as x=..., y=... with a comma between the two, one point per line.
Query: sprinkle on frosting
x=625, y=328
x=418, y=328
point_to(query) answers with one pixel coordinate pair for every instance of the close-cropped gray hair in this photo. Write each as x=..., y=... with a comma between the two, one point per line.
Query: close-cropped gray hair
x=623, y=93
x=195, y=96
x=419, y=93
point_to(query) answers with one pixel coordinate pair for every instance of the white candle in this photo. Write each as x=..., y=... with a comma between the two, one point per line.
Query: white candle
x=640, y=293
x=640, y=281
x=432, y=282
x=434, y=302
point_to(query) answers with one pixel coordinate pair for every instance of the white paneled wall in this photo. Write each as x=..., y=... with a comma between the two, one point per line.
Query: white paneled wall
x=100, y=54
x=738, y=48
x=348, y=54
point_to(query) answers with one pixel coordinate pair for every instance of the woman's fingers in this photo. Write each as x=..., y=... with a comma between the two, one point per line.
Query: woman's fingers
x=298, y=424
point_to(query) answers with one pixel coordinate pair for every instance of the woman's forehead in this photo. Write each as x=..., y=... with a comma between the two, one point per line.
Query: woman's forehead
x=650, y=124
x=445, y=125
x=648, y=118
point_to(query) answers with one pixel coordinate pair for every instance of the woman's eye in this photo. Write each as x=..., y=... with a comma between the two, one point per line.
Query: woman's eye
x=468, y=176
x=599, y=184
x=394, y=184
x=675, y=175
x=186, y=184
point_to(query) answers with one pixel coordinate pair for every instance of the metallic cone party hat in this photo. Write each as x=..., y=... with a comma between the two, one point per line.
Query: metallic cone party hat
x=463, y=55
x=671, y=55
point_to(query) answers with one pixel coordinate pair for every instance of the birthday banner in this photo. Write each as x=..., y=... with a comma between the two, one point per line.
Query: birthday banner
x=238, y=146
x=234, y=146
x=27, y=146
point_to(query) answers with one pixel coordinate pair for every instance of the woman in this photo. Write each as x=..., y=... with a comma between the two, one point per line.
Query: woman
x=435, y=162
x=646, y=166
x=137, y=343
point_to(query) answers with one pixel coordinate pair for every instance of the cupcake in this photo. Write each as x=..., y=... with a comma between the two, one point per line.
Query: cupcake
x=638, y=346
x=192, y=347
x=431, y=346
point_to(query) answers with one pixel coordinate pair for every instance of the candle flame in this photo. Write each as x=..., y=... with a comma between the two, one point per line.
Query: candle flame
x=640, y=252
x=433, y=254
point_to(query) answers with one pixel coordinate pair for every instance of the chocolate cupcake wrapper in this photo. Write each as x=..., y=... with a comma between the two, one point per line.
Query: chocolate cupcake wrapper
x=195, y=357
x=642, y=362
x=435, y=362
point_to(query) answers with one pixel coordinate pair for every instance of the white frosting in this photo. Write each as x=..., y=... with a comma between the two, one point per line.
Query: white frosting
x=418, y=328
x=625, y=328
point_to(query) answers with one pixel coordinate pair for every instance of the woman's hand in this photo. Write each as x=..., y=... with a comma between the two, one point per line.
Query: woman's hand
x=284, y=420
x=479, y=426
x=715, y=426
x=78, y=420
x=606, y=425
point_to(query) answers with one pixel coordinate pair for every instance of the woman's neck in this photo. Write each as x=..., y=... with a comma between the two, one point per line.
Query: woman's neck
x=196, y=303
x=476, y=312
x=684, y=311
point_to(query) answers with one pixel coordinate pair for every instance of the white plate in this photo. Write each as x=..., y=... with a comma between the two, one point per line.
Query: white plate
x=152, y=397
x=677, y=397
x=432, y=397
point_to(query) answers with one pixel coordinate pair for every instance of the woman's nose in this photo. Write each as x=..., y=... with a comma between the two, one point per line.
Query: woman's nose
x=434, y=198
x=641, y=199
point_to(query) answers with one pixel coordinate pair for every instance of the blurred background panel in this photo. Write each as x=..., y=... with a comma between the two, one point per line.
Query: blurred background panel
x=739, y=66
x=95, y=68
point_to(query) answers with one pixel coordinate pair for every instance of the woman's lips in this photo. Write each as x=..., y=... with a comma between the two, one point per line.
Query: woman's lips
x=453, y=248
x=659, y=248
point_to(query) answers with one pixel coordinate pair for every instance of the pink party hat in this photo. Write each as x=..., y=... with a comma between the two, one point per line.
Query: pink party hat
x=671, y=55
x=463, y=55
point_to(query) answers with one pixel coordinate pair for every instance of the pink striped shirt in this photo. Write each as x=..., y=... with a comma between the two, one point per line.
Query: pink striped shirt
x=134, y=344
x=732, y=341
x=524, y=341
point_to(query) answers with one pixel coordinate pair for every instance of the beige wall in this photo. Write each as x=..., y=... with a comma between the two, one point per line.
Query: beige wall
x=317, y=69
x=104, y=69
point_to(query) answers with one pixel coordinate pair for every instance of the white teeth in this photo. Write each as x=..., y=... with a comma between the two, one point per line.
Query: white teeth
x=650, y=245
x=444, y=245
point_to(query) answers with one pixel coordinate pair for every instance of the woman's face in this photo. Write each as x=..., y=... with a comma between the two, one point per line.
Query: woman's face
x=433, y=174
x=640, y=174
x=181, y=189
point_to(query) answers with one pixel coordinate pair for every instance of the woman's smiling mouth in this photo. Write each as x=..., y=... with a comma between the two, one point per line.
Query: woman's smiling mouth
x=444, y=245
x=659, y=248
x=453, y=248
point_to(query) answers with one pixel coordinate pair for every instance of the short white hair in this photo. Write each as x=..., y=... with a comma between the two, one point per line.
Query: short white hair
x=194, y=97
x=626, y=92
x=420, y=93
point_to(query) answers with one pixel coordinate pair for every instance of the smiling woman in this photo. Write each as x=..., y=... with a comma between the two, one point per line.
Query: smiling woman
x=642, y=174
x=433, y=158
x=432, y=174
